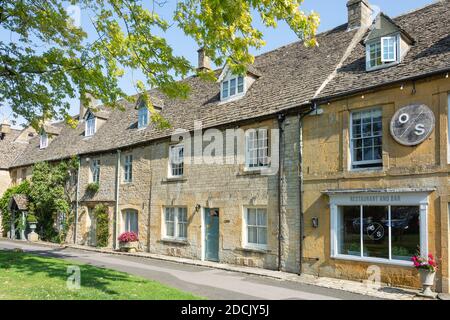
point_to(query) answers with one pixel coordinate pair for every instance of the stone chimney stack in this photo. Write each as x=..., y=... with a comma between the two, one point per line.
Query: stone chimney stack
x=204, y=63
x=359, y=14
x=92, y=103
x=5, y=128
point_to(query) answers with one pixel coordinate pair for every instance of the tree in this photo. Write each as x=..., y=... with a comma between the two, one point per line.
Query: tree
x=53, y=59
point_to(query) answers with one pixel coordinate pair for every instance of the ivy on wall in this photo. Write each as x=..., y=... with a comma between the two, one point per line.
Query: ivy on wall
x=102, y=224
x=22, y=188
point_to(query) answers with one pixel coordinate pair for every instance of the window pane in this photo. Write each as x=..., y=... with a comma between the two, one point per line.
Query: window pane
x=262, y=217
x=262, y=236
x=225, y=89
x=251, y=217
x=252, y=236
x=405, y=230
x=240, y=84
x=375, y=232
x=232, y=87
x=349, y=239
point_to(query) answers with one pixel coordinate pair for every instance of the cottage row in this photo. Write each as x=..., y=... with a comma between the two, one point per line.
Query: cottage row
x=323, y=161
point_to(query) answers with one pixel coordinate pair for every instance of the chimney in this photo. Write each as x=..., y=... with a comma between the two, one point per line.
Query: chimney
x=92, y=103
x=359, y=14
x=5, y=127
x=204, y=63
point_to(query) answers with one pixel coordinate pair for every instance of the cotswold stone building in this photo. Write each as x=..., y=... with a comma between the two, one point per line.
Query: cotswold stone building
x=322, y=160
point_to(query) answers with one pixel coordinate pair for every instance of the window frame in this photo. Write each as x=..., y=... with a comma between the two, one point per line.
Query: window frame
x=141, y=111
x=90, y=126
x=394, y=48
x=43, y=140
x=354, y=163
x=170, y=164
x=380, y=42
x=95, y=176
x=176, y=223
x=124, y=223
x=419, y=199
x=225, y=86
x=128, y=168
x=248, y=166
x=245, y=226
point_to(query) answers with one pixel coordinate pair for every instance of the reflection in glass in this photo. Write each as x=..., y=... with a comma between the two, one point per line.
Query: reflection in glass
x=349, y=231
x=405, y=232
x=376, y=232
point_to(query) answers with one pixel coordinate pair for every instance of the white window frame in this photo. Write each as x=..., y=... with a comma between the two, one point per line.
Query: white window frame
x=226, y=83
x=126, y=223
x=245, y=226
x=394, y=44
x=43, y=140
x=419, y=199
x=176, y=222
x=384, y=62
x=259, y=149
x=354, y=163
x=128, y=168
x=95, y=175
x=171, y=161
x=143, y=113
x=91, y=125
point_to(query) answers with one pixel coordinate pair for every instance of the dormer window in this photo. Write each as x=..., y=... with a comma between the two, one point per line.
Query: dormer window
x=143, y=116
x=90, y=125
x=382, y=52
x=43, y=141
x=232, y=87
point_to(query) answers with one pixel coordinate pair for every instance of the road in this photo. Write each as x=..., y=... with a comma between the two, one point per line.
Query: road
x=202, y=281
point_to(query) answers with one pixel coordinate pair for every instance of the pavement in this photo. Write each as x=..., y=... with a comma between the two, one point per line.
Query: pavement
x=217, y=281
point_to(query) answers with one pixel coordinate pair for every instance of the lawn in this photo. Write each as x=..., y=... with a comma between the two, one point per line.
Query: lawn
x=28, y=276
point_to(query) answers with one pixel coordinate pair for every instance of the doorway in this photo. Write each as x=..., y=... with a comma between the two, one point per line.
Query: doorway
x=211, y=223
x=91, y=230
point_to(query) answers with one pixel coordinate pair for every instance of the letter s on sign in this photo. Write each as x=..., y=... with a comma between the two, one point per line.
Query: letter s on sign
x=420, y=130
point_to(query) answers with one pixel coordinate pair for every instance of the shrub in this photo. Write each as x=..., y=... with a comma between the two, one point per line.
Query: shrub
x=128, y=237
x=31, y=218
x=93, y=188
x=102, y=225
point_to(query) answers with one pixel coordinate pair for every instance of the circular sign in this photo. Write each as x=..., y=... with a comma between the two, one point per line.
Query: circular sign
x=375, y=231
x=412, y=125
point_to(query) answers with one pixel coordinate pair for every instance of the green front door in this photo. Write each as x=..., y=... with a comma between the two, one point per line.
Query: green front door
x=212, y=234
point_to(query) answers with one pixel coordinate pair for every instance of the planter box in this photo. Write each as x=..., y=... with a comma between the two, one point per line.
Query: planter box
x=132, y=246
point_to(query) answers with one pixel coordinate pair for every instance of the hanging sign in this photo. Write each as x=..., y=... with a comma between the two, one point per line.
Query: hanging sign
x=412, y=125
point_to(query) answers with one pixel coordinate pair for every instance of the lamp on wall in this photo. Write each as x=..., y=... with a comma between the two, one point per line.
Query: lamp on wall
x=197, y=207
x=315, y=222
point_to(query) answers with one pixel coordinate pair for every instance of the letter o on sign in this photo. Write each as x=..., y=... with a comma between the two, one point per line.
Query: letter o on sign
x=412, y=125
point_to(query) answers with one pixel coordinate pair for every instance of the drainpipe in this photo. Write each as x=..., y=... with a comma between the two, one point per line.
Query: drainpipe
x=77, y=201
x=300, y=117
x=116, y=210
x=281, y=117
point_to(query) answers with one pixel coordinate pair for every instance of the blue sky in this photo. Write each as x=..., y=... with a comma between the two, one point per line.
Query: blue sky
x=332, y=13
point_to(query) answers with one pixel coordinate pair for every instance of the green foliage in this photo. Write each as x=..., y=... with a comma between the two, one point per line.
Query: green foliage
x=92, y=188
x=22, y=188
x=102, y=227
x=31, y=218
x=51, y=59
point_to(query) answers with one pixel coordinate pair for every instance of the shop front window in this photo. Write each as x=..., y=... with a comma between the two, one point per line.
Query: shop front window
x=383, y=232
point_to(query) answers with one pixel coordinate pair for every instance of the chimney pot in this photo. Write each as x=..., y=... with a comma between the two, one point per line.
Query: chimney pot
x=204, y=63
x=359, y=14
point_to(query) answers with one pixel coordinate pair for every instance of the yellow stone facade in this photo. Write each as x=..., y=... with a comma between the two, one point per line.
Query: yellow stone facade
x=327, y=166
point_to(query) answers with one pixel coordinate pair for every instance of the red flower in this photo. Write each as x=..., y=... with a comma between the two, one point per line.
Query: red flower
x=128, y=237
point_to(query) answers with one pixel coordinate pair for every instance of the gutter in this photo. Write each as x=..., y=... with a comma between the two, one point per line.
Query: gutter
x=77, y=201
x=281, y=118
x=117, y=197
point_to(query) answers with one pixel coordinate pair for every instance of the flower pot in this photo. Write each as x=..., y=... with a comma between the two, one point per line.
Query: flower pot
x=32, y=226
x=427, y=279
x=131, y=246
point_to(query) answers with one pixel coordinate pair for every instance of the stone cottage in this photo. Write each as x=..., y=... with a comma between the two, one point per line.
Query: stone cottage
x=307, y=163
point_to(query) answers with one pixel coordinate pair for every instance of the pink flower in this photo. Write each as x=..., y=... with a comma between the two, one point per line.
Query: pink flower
x=128, y=237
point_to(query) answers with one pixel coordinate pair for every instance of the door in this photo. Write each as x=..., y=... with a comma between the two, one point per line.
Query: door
x=211, y=234
x=91, y=228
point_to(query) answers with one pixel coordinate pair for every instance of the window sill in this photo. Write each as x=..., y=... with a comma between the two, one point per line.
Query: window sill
x=173, y=180
x=175, y=241
x=252, y=172
x=254, y=250
x=373, y=260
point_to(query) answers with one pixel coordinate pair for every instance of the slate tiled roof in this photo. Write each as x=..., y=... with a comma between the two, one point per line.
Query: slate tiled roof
x=10, y=149
x=430, y=28
x=289, y=77
x=21, y=201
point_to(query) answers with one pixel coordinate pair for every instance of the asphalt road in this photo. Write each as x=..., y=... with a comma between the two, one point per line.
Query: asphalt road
x=206, y=282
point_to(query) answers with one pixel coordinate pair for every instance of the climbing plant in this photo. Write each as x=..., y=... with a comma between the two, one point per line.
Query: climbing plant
x=102, y=227
x=22, y=188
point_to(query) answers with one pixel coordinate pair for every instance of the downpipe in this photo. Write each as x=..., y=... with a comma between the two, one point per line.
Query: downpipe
x=281, y=118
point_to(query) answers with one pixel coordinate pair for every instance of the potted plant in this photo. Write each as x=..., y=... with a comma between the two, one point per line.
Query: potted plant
x=129, y=242
x=32, y=222
x=427, y=269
